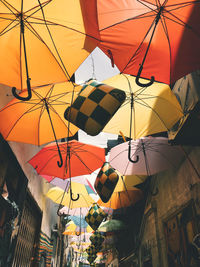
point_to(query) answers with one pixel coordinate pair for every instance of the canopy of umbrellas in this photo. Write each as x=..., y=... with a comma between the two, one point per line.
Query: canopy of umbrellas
x=42, y=45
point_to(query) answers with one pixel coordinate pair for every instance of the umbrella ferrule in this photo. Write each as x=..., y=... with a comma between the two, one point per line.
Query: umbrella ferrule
x=20, y=15
x=159, y=14
x=132, y=100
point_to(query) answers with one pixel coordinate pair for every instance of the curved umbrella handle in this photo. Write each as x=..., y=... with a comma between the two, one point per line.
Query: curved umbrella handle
x=60, y=163
x=74, y=199
x=28, y=89
x=129, y=155
x=143, y=84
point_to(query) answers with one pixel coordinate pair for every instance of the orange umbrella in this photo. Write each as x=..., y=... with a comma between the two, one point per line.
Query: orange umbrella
x=157, y=40
x=122, y=199
x=40, y=120
x=78, y=159
x=36, y=121
x=43, y=41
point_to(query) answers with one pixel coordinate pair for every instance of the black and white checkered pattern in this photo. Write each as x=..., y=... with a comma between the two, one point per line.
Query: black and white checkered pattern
x=94, y=107
x=95, y=216
x=106, y=181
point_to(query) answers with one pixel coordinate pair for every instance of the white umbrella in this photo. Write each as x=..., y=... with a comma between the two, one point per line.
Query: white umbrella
x=145, y=156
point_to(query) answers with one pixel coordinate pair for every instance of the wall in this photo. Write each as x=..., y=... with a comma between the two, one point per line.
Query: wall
x=37, y=185
x=177, y=186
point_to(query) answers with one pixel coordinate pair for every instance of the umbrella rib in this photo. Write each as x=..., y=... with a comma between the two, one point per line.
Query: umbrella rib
x=154, y=111
x=81, y=161
x=62, y=63
x=179, y=21
x=9, y=6
x=139, y=47
x=25, y=113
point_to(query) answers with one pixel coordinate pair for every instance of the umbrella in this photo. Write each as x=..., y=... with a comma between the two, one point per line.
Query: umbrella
x=65, y=183
x=43, y=41
x=160, y=106
x=112, y=225
x=122, y=199
x=78, y=159
x=127, y=182
x=75, y=211
x=73, y=229
x=60, y=197
x=145, y=38
x=40, y=120
x=149, y=155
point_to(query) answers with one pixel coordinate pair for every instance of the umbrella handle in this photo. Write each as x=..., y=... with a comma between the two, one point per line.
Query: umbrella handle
x=28, y=97
x=60, y=163
x=143, y=84
x=129, y=155
x=74, y=199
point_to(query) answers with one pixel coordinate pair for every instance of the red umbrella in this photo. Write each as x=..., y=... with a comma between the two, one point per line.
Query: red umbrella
x=151, y=37
x=78, y=159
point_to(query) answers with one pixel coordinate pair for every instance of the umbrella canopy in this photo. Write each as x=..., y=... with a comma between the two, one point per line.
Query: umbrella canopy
x=73, y=229
x=160, y=106
x=79, y=221
x=59, y=196
x=40, y=120
x=75, y=211
x=148, y=155
x=151, y=38
x=44, y=41
x=122, y=199
x=65, y=183
x=112, y=225
x=127, y=182
x=78, y=159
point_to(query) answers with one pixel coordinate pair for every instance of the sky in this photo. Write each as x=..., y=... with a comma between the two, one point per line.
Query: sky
x=97, y=65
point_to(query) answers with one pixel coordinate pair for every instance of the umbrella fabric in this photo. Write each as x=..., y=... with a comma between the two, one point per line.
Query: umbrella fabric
x=64, y=184
x=59, y=196
x=112, y=225
x=122, y=199
x=73, y=229
x=160, y=106
x=56, y=35
x=35, y=121
x=78, y=159
x=151, y=155
x=79, y=221
x=127, y=182
x=126, y=28
x=74, y=211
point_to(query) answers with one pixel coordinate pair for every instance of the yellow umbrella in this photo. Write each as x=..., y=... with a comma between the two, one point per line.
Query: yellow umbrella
x=155, y=108
x=73, y=229
x=127, y=182
x=59, y=196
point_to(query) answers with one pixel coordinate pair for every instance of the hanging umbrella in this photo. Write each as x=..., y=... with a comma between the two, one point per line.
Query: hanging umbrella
x=73, y=229
x=65, y=183
x=74, y=211
x=160, y=106
x=112, y=225
x=44, y=42
x=78, y=159
x=157, y=40
x=127, y=182
x=122, y=199
x=40, y=120
x=60, y=197
x=148, y=155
